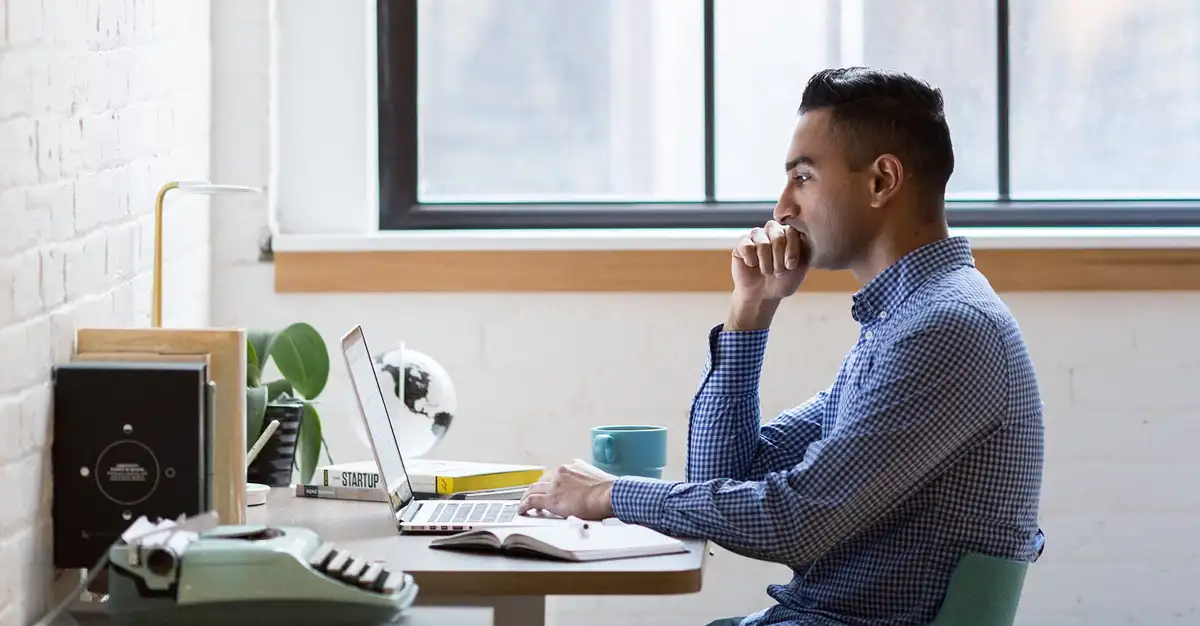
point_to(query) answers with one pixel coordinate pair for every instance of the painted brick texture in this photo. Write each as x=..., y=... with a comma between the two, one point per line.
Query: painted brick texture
x=101, y=101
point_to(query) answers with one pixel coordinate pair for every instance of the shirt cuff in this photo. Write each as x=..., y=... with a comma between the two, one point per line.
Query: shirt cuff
x=640, y=500
x=735, y=359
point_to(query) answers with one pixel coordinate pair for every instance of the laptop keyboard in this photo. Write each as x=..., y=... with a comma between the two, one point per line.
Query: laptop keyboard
x=473, y=512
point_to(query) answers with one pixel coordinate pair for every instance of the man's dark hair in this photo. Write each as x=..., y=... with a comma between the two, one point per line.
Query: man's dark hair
x=876, y=111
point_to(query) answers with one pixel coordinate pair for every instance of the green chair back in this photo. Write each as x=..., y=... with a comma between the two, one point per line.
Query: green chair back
x=984, y=591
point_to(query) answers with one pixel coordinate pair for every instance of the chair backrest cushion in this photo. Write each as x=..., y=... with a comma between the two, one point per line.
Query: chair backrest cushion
x=983, y=591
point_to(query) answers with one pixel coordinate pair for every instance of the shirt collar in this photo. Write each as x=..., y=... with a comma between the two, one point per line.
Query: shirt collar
x=894, y=284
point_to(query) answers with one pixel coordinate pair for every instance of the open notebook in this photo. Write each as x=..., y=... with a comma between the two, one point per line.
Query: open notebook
x=569, y=543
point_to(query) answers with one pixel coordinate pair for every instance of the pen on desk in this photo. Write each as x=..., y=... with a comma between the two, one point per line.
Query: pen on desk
x=575, y=522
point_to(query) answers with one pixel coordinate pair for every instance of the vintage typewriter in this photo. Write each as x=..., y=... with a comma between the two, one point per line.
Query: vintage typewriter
x=248, y=575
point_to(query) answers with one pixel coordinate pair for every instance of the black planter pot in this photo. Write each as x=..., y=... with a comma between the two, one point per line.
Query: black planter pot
x=273, y=465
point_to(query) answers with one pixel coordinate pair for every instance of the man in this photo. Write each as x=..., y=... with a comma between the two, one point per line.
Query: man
x=929, y=442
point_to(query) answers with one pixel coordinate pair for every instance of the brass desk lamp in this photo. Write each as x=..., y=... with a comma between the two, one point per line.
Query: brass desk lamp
x=196, y=187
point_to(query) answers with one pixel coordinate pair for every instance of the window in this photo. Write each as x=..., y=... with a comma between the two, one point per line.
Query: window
x=677, y=113
x=1109, y=93
x=552, y=101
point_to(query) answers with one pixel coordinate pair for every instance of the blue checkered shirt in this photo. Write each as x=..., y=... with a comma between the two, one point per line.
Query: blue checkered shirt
x=928, y=445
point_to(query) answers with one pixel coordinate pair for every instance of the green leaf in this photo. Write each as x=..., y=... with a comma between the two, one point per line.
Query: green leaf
x=263, y=342
x=308, y=448
x=253, y=371
x=256, y=408
x=277, y=388
x=299, y=353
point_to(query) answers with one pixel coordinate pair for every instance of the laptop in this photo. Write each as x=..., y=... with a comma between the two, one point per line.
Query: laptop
x=412, y=514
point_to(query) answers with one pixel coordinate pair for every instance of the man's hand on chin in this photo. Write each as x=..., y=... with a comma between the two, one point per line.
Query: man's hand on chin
x=577, y=488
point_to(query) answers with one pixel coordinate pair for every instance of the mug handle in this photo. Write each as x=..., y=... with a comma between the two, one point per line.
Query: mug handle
x=602, y=449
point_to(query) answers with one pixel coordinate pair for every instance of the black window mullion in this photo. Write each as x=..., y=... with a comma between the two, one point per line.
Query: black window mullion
x=1003, y=183
x=397, y=76
x=710, y=103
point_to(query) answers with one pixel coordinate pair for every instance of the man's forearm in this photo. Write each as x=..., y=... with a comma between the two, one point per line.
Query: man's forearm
x=723, y=436
x=762, y=520
x=751, y=315
x=725, y=416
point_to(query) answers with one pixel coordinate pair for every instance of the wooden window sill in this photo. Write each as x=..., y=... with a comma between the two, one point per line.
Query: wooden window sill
x=374, y=265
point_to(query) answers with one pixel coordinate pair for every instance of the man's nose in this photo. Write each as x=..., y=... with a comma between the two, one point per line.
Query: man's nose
x=784, y=208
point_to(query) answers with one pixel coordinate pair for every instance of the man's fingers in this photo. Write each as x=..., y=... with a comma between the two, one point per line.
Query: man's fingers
x=794, y=250
x=535, y=495
x=533, y=502
x=772, y=248
x=537, y=487
x=766, y=258
x=779, y=238
x=747, y=248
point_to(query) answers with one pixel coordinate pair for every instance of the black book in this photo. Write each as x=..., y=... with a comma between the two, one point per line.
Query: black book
x=130, y=439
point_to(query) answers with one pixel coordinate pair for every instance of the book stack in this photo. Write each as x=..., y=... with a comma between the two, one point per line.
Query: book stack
x=430, y=479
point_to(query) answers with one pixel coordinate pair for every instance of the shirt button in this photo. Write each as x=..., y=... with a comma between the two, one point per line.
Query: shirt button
x=882, y=314
x=870, y=333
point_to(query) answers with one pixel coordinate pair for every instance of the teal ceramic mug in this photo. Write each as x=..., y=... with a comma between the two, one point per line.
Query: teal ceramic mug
x=630, y=450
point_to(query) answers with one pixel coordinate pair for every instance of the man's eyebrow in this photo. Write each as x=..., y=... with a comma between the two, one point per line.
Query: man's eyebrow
x=800, y=160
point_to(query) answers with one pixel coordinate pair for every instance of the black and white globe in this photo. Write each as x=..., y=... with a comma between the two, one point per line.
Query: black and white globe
x=420, y=399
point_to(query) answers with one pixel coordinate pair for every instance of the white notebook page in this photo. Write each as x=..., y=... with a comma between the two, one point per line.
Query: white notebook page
x=622, y=539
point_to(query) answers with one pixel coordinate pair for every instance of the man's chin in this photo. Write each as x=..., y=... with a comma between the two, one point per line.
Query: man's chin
x=818, y=261
x=806, y=250
x=815, y=260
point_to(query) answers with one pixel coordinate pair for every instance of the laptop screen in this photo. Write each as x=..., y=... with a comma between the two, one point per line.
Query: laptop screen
x=379, y=426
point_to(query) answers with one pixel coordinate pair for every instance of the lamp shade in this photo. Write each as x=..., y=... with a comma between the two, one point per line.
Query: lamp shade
x=210, y=189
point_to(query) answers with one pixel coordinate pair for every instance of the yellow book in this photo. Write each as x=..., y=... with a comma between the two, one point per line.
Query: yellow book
x=430, y=476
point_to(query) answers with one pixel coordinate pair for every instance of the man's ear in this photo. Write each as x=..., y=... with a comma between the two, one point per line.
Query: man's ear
x=887, y=176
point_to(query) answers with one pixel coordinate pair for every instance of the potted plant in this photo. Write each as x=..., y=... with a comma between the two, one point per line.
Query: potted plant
x=300, y=355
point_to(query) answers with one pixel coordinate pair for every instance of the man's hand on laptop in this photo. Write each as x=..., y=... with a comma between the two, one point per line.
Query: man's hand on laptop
x=577, y=488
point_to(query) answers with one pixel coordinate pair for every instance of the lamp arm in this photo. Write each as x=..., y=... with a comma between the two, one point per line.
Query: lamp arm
x=156, y=301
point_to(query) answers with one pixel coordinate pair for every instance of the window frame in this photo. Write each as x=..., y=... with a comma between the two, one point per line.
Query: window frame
x=400, y=208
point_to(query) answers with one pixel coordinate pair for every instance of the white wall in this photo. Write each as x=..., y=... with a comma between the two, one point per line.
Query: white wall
x=100, y=103
x=534, y=371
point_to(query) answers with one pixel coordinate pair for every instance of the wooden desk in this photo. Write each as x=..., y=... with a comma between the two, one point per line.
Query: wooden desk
x=514, y=587
x=92, y=614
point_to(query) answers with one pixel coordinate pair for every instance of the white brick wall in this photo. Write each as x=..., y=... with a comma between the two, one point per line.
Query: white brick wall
x=101, y=101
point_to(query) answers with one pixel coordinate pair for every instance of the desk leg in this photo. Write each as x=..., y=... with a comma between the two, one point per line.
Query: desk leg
x=506, y=610
x=519, y=611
